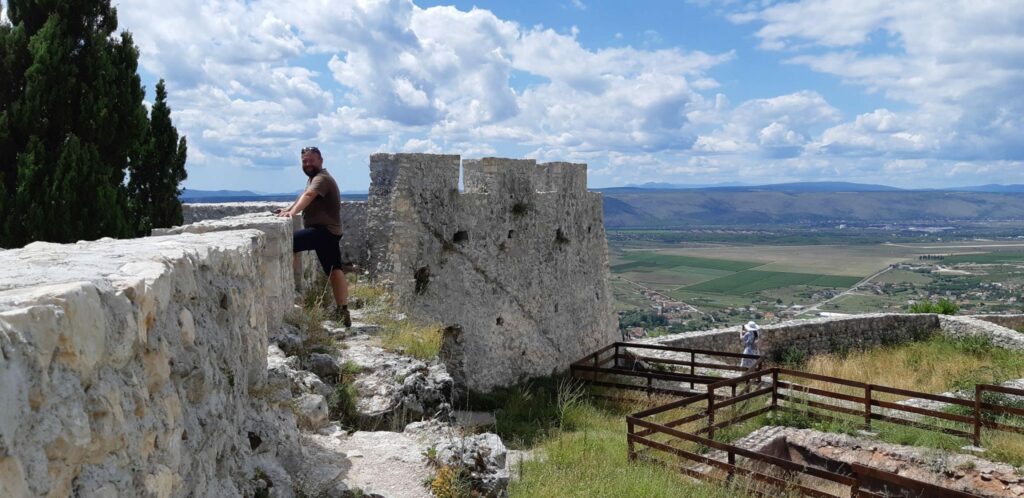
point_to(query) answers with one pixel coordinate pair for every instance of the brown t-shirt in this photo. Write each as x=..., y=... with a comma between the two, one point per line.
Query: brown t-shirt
x=325, y=210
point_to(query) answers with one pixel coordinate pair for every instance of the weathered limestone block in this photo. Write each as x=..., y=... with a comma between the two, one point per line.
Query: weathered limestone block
x=515, y=268
x=128, y=367
x=1009, y=321
x=276, y=274
x=353, y=244
x=200, y=211
x=966, y=326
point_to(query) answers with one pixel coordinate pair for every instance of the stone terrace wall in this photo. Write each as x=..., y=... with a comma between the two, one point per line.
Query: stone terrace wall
x=1008, y=321
x=819, y=335
x=353, y=243
x=832, y=334
x=515, y=268
x=132, y=367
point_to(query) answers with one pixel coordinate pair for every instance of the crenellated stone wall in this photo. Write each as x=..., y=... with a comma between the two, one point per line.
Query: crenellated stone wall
x=134, y=367
x=515, y=267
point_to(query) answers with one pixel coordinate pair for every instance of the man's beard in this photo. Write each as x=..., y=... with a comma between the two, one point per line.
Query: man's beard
x=311, y=172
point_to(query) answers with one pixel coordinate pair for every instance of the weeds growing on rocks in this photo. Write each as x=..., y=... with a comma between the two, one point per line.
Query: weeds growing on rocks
x=342, y=402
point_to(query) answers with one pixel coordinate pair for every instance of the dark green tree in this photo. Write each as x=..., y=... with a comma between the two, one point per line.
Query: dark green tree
x=155, y=179
x=72, y=122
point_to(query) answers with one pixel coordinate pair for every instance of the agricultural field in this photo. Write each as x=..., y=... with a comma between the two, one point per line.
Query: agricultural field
x=703, y=285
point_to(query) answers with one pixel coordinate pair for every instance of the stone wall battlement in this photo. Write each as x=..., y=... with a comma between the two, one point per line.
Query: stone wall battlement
x=500, y=176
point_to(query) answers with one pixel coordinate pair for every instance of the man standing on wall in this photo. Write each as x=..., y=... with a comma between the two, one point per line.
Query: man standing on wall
x=320, y=205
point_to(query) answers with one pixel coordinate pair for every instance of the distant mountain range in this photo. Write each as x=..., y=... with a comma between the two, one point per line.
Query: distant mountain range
x=676, y=206
x=203, y=196
x=199, y=195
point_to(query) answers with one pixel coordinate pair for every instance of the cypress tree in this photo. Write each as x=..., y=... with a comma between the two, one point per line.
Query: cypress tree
x=155, y=179
x=72, y=122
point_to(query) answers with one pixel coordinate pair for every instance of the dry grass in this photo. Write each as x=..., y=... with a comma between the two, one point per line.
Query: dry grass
x=412, y=339
x=404, y=336
x=936, y=365
x=1004, y=447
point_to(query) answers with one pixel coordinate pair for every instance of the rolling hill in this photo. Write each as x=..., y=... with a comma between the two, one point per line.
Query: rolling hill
x=676, y=208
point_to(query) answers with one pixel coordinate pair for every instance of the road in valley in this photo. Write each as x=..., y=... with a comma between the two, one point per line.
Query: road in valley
x=846, y=292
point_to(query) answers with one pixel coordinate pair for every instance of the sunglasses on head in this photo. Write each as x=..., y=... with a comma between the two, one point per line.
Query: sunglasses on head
x=310, y=149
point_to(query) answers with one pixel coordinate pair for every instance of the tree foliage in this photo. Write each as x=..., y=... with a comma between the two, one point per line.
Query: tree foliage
x=73, y=125
x=155, y=179
x=641, y=318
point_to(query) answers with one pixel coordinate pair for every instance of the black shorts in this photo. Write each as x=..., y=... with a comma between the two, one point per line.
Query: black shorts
x=322, y=241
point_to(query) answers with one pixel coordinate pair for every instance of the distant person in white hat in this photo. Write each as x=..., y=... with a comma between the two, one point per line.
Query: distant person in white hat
x=749, y=334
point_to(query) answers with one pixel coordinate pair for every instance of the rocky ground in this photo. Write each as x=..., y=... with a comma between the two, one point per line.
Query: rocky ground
x=373, y=423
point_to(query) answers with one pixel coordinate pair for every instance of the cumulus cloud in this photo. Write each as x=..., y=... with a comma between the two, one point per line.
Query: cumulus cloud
x=419, y=79
x=958, y=65
x=774, y=127
x=251, y=80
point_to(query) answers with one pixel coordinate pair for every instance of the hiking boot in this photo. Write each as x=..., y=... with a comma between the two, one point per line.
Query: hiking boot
x=342, y=315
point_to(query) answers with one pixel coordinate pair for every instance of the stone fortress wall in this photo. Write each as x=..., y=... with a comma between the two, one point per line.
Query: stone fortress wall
x=515, y=267
x=134, y=367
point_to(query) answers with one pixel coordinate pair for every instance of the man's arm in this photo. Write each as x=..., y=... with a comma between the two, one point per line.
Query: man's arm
x=300, y=204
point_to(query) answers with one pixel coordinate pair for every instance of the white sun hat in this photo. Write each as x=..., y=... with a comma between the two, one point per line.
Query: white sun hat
x=751, y=326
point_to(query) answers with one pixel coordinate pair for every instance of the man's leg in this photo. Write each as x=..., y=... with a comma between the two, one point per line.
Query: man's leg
x=339, y=285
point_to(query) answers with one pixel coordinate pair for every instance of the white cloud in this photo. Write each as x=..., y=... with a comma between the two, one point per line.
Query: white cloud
x=774, y=127
x=252, y=80
x=959, y=65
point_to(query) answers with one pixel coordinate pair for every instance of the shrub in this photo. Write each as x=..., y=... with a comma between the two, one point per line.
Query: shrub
x=342, y=402
x=942, y=306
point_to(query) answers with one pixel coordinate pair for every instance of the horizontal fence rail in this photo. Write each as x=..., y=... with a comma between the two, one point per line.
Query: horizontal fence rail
x=684, y=429
x=631, y=367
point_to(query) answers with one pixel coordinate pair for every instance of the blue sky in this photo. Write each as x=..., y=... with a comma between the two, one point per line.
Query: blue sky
x=913, y=93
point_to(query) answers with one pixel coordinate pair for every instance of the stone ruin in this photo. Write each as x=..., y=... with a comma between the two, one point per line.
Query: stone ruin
x=140, y=367
x=514, y=267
